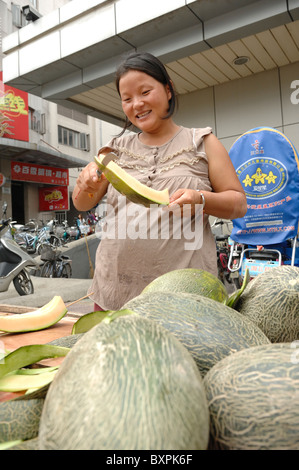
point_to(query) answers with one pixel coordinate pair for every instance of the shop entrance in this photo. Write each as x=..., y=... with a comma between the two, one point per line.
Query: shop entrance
x=17, y=200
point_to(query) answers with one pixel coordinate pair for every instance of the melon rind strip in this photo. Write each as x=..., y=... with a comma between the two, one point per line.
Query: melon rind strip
x=18, y=383
x=129, y=186
x=30, y=354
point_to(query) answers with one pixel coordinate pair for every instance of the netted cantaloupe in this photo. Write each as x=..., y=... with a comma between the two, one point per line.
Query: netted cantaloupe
x=189, y=280
x=207, y=328
x=19, y=419
x=126, y=385
x=271, y=300
x=253, y=399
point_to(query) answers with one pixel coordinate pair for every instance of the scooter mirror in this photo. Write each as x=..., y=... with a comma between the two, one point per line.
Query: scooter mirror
x=4, y=208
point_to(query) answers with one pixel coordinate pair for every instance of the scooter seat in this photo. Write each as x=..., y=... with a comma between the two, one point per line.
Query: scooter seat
x=222, y=238
x=263, y=255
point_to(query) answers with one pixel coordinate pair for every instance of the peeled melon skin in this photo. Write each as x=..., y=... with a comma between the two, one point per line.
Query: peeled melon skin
x=253, y=399
x=189, y=280
x=271, y=300
x=30, y=444
x=126, y=385
x=208, y=329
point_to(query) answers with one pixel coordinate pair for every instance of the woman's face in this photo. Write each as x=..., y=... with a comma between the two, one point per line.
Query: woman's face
x=145, y=101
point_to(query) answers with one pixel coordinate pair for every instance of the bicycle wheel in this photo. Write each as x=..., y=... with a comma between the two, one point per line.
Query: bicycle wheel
x=66, y=271
x=47, y=269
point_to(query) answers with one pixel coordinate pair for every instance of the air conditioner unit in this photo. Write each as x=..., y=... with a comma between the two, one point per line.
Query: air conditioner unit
x=30, y=13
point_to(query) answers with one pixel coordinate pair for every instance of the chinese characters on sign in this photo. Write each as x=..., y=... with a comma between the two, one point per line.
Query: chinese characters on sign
x=14, y=122
x=21, y=171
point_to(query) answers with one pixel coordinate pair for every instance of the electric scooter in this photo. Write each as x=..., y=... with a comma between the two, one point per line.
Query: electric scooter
x=13, y=262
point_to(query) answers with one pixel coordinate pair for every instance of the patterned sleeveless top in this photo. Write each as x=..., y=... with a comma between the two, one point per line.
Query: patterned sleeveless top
x=140, y=244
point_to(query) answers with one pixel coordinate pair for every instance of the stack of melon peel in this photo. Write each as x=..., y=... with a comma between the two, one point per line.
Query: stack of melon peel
x=16, y=371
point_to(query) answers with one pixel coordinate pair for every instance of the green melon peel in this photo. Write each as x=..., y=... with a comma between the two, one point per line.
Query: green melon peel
x=118, y=313
x=89, y=320
x=9, y=444
x=19, y=383
x=30, y=354
x=35, y=371
x=232, y=300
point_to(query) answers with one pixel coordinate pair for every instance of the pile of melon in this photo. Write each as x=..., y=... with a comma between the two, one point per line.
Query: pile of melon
x=177, y=368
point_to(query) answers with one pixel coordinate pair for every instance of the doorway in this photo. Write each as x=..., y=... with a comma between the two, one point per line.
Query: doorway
x=17, y=200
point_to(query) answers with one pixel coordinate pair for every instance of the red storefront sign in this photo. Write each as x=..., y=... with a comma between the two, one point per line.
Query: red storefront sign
x=14, y=112
x=2, y=179
x=53, y=199
x=21, y=171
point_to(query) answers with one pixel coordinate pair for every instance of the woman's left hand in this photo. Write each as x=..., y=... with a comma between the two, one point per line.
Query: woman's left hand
x=184, y=201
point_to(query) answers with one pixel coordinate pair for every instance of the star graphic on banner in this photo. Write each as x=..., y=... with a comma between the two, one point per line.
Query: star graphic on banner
x=247, y=181
x=259, y=176
x=271, y=177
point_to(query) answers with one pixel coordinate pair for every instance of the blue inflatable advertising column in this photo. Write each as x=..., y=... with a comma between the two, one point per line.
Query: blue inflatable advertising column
x=267, y=165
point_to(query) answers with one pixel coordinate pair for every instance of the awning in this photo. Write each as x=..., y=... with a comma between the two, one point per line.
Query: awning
x=203, y=43
x=35, y=153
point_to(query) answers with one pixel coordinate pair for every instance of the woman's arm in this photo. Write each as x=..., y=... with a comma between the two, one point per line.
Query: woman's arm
x=227, y=200
x=89, y=189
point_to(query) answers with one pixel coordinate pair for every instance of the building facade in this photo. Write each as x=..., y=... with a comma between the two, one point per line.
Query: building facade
x=54, y=137
x=235, y=66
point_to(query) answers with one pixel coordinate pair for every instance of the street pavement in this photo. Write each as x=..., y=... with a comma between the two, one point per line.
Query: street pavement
x=46, y=288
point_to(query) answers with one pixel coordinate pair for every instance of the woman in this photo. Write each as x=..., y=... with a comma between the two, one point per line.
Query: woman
x=191, y=163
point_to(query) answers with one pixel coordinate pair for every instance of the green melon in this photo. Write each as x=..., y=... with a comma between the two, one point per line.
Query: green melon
x=19, y=419
x=254, y=399
x=126, y=385
x=189, y=280
x=66, y=341
x=271, y=300
x=207, y=328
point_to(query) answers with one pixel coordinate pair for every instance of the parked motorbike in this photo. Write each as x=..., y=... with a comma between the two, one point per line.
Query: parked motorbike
x=14, y=262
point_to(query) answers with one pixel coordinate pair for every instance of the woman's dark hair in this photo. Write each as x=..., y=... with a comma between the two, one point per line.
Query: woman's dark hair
x=151, y=65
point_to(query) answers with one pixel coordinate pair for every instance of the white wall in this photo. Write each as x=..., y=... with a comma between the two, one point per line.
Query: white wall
x=238, y=106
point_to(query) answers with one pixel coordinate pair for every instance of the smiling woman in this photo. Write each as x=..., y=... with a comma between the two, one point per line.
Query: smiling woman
x=191, y=163
x=145, y=102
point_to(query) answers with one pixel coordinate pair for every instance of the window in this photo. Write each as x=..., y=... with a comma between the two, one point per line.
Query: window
x=37, y=121
x=75, y=139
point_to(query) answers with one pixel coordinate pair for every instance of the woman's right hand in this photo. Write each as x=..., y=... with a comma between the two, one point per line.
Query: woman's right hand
x=90, y=188
x=88, y=179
